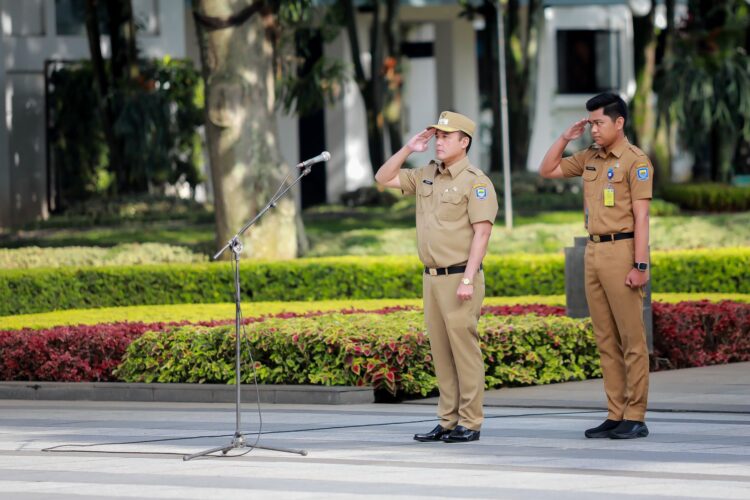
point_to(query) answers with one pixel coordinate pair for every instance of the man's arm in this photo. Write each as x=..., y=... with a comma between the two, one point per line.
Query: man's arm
x=387, y=174
x=478, y=250
x=636, y=278
x=550, y=166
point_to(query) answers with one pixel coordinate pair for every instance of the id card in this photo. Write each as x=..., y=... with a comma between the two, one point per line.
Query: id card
x=609, y=196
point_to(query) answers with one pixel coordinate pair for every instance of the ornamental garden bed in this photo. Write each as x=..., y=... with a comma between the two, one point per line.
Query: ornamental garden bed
x=386, y=349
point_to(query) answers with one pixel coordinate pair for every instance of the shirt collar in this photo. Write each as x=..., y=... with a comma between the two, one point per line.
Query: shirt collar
x=616, y=149
x=455, y=168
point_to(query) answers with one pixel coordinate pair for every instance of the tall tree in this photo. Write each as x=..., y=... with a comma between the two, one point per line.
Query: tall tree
x=522, y=21
x=237, y=44
x=381, y=92
x=104, y=87
x=644, y=51
x=706, y=80
x=521, y=55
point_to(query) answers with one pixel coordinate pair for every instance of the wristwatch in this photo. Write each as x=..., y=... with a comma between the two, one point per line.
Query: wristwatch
x=641, y=266
x=466, y=281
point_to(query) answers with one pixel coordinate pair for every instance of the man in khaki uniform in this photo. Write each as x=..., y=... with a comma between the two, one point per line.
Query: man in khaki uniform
x=456, y=207
x=617, y=185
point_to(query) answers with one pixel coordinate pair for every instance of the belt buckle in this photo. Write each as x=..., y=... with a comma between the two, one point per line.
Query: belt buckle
x=596, y=238
x=432, y=271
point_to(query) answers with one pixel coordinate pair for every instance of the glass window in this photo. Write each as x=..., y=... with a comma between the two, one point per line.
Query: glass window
x=588, y=61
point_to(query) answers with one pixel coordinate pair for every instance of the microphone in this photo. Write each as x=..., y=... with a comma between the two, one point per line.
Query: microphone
x=324, y=156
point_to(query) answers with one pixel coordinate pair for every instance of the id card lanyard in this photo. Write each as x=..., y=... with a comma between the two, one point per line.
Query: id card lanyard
x=609, y=191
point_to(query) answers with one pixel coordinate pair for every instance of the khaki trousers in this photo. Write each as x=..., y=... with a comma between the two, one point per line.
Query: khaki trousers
x=459, y=365
x=617, y=315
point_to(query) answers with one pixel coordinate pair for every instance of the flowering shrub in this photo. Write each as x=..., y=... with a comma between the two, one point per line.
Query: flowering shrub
x=386, y=348
x=520, y=309
x=66, y=354
x=386, y=351
x=700, y=333
x=90, y=353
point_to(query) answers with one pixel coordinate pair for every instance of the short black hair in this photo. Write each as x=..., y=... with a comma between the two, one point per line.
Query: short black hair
x=464, y=134
x=613, y=105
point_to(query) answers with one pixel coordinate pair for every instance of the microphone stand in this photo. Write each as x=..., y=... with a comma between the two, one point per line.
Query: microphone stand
x=235, y=245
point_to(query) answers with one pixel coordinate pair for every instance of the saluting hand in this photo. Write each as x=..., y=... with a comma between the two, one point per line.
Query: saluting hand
x=576, y=130
x=418, y=143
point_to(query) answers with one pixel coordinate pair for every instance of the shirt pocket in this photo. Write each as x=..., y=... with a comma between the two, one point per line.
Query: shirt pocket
x=589, y=182
x=617, y=176
x=424, y=197
x=452, y=206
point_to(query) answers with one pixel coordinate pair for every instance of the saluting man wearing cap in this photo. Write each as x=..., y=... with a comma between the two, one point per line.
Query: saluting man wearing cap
x=456, y=207
x=617, y=185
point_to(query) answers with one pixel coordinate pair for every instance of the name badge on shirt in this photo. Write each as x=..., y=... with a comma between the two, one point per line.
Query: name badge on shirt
x=609, y=196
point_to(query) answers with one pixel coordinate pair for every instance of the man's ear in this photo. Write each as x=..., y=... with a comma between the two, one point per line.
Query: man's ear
x=620, y=123
x=465, y=141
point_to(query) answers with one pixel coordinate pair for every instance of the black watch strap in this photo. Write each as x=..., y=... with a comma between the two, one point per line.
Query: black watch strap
x=641, y=266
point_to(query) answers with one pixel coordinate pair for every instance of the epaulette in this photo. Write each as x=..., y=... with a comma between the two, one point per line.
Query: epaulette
x=474, y=170
x=638, y=151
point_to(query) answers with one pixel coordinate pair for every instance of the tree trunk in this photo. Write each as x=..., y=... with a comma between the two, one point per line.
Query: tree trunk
x=518, y=68
x=103, y=86
x=491, y=60
x=371, y=89
x=642, y=109
x=246, y=164
x=393, y=107
x=124, y=59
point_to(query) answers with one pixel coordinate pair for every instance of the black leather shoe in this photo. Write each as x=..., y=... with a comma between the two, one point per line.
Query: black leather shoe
x=461, y=435
x=603, y=430
x=629, y=429
x=434, y=435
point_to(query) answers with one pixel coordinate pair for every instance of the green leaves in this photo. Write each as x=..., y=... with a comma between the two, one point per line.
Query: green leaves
x=39, y=290
x=386, y=351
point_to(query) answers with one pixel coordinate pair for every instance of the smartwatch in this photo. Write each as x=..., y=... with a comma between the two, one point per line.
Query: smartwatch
x=641, y=266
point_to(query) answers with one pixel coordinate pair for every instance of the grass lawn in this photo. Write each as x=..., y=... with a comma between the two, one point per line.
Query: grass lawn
x=208, y=312
x=337, y=230
x=543, y=233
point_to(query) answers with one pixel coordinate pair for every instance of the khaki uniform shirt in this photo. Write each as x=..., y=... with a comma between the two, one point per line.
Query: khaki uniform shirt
x=623, y=169
x=449, y=201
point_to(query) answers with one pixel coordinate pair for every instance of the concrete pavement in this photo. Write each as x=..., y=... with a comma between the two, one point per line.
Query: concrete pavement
x=134, y=450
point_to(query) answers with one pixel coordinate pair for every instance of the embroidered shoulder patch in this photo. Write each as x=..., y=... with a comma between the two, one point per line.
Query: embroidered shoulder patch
x=480, y=191
x=642, y=173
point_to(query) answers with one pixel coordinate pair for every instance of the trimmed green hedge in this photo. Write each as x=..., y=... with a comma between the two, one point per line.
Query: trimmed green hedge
x=386, y=351
x=38, y=290
x=125, y=254
x=708, y=197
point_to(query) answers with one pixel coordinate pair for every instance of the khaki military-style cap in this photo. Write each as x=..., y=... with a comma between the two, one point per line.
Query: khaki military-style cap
x=453, y=122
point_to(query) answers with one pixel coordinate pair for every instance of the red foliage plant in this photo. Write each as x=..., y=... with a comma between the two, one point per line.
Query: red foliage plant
x=685, y=334
x=701, y=333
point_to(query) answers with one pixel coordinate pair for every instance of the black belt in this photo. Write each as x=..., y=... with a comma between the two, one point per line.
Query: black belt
x=599, y=238
x=440, y=271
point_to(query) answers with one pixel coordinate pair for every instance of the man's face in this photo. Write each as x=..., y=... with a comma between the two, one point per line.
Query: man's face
x=604, y=131
x=449, y=146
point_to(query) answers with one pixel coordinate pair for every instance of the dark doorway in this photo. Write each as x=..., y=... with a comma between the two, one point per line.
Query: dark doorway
x=312, y=133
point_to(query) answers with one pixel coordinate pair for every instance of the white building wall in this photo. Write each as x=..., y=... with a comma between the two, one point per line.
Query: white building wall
x=29, y=38
x=554, y=112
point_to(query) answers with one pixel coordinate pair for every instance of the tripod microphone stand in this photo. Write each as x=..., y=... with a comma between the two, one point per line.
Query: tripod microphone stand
x=239, y=441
